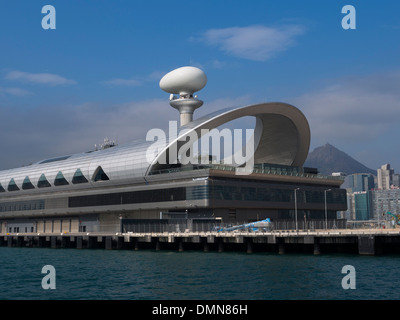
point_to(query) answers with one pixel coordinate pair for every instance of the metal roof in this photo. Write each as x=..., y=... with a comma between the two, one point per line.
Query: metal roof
x=282, y=136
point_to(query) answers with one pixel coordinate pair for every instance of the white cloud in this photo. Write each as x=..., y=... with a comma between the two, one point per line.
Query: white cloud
x=156, y=75
x=39, y=78
x=258, y=43
x=15, y=91
x=358, y=108
x=135, y=82
x=123, y=82
x=357, y=114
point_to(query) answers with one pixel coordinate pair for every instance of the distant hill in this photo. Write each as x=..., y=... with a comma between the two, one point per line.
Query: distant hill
x=328, y=159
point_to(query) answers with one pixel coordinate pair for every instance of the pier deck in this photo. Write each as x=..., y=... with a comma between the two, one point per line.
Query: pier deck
x=361, y=241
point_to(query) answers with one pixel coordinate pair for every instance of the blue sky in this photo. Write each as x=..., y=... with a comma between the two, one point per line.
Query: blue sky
x=96, y=75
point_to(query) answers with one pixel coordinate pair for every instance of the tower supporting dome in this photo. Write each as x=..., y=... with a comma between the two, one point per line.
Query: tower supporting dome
x=184, y=81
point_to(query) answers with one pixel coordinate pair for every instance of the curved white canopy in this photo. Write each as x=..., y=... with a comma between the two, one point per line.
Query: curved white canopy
x=281, y=136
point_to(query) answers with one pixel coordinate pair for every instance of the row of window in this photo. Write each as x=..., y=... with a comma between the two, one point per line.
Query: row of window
x=213, y=192
x=22, y=205
x=16, y=229
x=270, y=194
x=132, y=197
x=60, y=180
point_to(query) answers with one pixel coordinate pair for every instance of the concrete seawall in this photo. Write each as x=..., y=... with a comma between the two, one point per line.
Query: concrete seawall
x=363, y=242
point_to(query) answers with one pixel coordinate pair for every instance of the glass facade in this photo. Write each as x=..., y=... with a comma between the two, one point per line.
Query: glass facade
x=276, y=169
x=22, y=205
x=275, y=194
x=362, y=205
x=197, y=192
x=214, y=192
x=119, y=198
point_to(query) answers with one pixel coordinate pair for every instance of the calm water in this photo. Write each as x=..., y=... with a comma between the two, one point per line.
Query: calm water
x=103, y=274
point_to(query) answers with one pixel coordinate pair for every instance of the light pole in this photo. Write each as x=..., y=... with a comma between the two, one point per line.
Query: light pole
x=295, y=206
x=326, y=209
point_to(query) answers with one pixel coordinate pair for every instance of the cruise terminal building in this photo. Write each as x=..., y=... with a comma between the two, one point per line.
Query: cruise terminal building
x=119, y=189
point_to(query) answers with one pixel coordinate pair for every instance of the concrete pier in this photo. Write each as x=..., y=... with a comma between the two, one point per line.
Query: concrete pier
x=366, y=245
x=79, y=242
x=317, y=249
x=109, y=243
x=249, y=247
x=363, y=242
x=281, y=248
x=220, y=245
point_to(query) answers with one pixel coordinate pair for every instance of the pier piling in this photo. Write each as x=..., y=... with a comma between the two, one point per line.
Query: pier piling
x=317, y=249
x=371, y=242
x=79, y=242
x=366, y=245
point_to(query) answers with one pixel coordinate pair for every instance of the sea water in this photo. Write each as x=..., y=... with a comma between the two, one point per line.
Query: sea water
x=135, y=275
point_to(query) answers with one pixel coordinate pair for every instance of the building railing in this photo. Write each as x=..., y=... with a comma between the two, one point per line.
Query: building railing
x=257, y=169
x=191, y=226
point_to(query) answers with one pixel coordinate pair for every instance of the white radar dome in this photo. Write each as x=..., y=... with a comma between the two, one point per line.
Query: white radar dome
x=183, y=81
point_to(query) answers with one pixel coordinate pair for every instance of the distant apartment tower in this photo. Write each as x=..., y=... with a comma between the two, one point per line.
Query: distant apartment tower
x=359, y=182
x=385, y=177
x=359, y=206
x=362, y=205
x=384, y=201
x=396, y=180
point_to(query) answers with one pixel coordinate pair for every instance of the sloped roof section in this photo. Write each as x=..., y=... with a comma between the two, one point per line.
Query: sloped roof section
x=281, y=136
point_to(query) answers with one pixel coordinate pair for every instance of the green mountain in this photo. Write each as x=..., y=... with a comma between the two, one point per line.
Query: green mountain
x=328, y=159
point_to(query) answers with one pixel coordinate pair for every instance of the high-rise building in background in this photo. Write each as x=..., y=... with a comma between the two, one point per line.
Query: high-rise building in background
x=363, y=205
x=384, y=201
x=396, y=179
x=358, y=187
x=385, y=177
x=367, y=200
x=359, y=182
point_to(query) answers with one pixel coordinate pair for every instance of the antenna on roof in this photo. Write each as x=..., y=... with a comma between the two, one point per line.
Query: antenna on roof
x=107, y=144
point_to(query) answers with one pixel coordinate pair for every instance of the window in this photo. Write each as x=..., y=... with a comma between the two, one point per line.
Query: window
x=22, y=205
x=232, y=213
x=60, y=180
x=55, y=159
x=79, y=177
x=27, y=184
x=42, y=182
x=100, y=175
x=12, y=186
x=144, y=196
